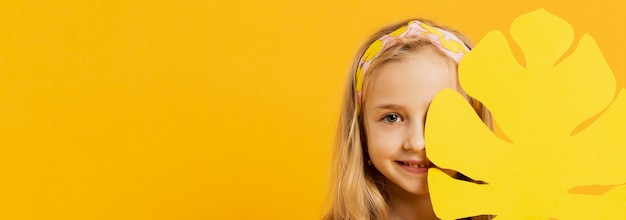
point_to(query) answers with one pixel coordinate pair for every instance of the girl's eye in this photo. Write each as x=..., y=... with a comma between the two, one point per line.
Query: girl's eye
x=392, y=118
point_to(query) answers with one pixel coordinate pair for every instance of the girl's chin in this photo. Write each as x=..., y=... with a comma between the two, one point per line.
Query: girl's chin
x=413, y=189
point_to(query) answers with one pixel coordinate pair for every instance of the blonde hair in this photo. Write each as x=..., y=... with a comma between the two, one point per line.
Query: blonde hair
x=357, y=190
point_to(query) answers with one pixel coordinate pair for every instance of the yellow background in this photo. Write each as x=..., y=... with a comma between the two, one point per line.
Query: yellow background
x=200, y=109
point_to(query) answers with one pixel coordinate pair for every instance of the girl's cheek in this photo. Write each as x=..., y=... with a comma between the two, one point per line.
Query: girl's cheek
x=384, y=139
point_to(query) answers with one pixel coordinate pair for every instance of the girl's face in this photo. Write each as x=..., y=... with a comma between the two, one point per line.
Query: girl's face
x=395, y=107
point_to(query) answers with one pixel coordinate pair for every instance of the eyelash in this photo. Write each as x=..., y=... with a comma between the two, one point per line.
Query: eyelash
x=387, y=117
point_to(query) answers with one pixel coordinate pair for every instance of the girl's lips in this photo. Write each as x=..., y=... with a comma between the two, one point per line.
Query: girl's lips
x=414, y=166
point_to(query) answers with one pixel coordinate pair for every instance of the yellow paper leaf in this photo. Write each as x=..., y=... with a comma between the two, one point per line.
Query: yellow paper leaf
x=544, y=172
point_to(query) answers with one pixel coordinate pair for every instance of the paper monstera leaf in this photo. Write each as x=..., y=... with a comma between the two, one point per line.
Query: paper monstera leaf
x=544, y=168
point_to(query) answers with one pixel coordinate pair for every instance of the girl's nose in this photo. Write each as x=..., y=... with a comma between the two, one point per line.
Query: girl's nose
x=414, y=139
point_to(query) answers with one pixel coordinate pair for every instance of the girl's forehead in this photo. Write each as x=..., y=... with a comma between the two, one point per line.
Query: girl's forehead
x=412, y=80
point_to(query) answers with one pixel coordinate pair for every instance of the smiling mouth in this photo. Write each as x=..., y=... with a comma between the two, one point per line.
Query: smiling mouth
x=416, y=165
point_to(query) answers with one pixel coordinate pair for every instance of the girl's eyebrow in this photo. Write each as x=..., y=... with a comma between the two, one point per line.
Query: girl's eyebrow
x=388, y=106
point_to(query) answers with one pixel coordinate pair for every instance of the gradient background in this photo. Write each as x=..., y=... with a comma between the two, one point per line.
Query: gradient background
x=201, y=109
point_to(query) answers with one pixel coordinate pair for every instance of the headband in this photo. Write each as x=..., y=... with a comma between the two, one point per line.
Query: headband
x=447, y=42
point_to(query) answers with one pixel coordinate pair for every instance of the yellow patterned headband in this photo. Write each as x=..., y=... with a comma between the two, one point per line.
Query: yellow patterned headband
x=444, y=40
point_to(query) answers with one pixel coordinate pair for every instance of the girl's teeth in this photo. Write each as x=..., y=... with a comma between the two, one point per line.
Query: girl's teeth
x=415, y=165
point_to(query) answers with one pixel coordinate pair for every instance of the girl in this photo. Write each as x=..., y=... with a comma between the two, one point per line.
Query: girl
x=379, y=165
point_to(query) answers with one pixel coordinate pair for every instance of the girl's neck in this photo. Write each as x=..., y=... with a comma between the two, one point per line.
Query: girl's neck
x=407, y=206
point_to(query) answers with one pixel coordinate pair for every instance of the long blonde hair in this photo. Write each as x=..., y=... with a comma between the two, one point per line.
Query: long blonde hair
x=357, y=190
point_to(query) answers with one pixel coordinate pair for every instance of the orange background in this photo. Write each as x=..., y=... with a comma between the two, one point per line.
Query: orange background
x=201, y=109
